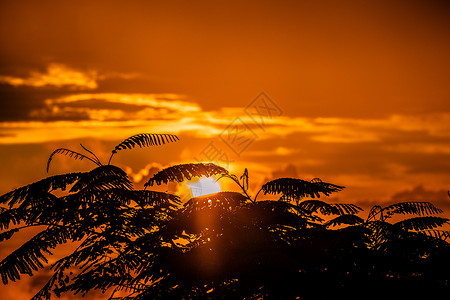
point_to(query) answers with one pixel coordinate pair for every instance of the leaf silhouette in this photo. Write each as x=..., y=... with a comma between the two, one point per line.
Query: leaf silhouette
x=421, y=223
x=38, y=188
x=228, y=199
x=146, y=198
x=103, y=178
x=72, y=154
x=149, y=245
x=344, y=219
x=144, y=140
x=416, y=208
x=30, y=256
x=8, y=216
x=440, y=234
x=8, y=234
x=327, y=208
x=184, y=172
x=294, y=188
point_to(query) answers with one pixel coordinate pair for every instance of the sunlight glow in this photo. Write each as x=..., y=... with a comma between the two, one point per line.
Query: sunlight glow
x=205, y=186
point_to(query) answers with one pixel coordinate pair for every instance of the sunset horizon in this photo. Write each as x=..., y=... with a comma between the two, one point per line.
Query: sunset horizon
x=354, y=93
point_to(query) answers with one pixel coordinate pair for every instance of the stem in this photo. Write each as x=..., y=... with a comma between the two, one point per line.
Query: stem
x=243, y=189
x=93, y=154
x=112, y=154
x=372, y=215
x=258, y=193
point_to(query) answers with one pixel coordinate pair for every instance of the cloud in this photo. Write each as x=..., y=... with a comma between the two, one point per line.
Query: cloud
x=57, y=75
x=439, y=198
x=60, y=75
x=114, y=107
x=144, y=174
x=317, y=145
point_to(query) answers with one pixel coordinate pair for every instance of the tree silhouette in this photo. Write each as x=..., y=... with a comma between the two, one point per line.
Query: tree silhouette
x=148, y=245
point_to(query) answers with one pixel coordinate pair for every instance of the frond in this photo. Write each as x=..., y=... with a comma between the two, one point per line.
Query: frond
x=294, y=188
x=72, y=154
x=144, y=140
x=381, y=232
x=43, y=208
x=228, y=199
x=415, y=208
x=93, y=154
x=275, y=213
x=30, y=256
x=440, y=234
x=281, y=207
x=7, y=234
x=8, y=216
x=374, y=211
x=42, y=186
x=103, y=178
x=345, y=208
x=327, y=208
x=183, y=172
x=347, y=219
x=421, y=223
x=144, y=198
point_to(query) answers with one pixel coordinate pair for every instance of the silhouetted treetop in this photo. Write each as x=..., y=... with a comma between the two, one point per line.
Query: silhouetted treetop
x=227, y=245
x=182, y=172
x=293, y=188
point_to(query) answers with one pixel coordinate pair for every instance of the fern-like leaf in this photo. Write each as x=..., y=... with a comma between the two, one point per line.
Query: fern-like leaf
x=30, y=256
x=42, y=186
x=8, y=216
x=144, y=140
x=103, y=178
x=72, y=154
x=374, y=212
x=276, y=213
x=294, y=188
x=228, y=199
x=381, y=232
x=416, y=208
x=327, y=208
x=440, y=234
x=7, y=234
x=147, y=198
x=344, y=220
x=421, y=223
x=184, y=172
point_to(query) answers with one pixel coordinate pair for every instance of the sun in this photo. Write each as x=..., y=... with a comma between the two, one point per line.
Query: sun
x=205, y=186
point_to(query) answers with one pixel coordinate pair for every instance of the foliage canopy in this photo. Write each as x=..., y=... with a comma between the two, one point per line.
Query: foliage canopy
x=149, y=245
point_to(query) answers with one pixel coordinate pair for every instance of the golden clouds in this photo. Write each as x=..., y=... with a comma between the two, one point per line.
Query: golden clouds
x=62, y=76
x=102, y=115
x=169, y=101
x=57, y=75
x=114, y=107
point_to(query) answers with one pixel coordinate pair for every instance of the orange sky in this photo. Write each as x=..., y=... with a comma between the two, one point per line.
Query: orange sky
x=359, y=90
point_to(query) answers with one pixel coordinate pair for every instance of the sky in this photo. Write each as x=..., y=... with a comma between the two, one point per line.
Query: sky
x=353, y=92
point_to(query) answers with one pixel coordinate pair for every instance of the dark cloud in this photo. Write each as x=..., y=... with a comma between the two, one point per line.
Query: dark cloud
x=17, y=102
x=290, y=171
x=103, y=104
x=439, y=198
x=419, y=193
x=316, y=59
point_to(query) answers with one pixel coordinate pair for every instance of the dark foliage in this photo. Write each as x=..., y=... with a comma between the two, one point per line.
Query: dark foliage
x=293, y=188
x=227, y=245
x=182, y=172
